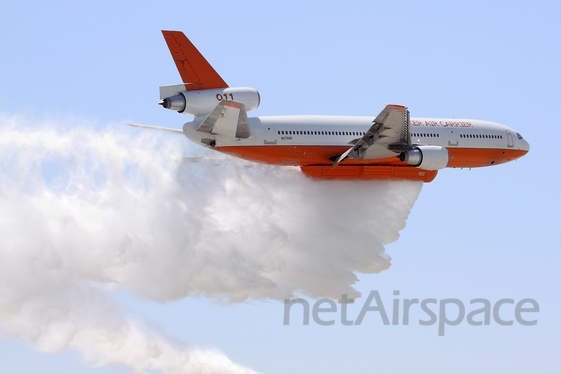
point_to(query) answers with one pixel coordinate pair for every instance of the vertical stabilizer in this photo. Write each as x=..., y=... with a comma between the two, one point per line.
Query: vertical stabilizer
x=195, y=71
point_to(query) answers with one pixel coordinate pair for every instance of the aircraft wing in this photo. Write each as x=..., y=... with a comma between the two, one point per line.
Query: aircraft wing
x=228, y=119
x=218, y=160
x=389, y=134
x=173, y=131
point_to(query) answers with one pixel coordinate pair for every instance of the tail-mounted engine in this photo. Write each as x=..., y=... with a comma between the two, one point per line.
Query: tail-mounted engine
x=427, y=157
x=202, y=102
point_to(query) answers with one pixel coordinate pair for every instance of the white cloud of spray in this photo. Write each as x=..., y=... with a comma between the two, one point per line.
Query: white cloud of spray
x=83, y=212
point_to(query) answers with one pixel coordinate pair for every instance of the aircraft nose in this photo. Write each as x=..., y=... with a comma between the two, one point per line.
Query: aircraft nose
x=525, y=145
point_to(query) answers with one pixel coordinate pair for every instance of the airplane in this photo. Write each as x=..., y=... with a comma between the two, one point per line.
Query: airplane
x=391, y=145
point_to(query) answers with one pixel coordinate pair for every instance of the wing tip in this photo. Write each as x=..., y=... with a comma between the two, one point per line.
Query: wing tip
x=395, y=106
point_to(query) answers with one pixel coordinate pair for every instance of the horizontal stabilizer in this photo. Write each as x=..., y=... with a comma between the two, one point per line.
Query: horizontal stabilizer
x=228, y=119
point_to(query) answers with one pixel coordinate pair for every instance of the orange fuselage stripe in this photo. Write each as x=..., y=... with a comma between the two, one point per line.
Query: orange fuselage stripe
x=302, y=155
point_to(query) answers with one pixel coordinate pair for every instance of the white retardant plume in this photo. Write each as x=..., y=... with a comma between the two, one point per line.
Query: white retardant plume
x=85, y=212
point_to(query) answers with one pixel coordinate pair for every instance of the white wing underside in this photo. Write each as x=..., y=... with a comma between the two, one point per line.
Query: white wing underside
x=164, y=129
x=389, y=134
x=228, y=119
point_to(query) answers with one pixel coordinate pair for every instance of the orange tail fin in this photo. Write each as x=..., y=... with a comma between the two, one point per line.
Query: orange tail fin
x=196, y=72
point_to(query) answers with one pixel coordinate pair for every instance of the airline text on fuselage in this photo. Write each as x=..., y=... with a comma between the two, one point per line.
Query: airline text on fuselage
x=441, y=123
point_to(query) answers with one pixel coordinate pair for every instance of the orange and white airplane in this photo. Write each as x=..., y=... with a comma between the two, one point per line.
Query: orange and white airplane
x=390, y=146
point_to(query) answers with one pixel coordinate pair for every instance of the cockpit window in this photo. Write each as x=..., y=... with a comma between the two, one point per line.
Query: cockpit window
x=519, y=136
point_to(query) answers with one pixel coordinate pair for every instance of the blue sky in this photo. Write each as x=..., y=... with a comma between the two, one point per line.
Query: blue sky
x=480, y=233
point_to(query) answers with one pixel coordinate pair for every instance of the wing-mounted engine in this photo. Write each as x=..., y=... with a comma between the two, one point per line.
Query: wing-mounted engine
x=427, y=157
x=203, y=102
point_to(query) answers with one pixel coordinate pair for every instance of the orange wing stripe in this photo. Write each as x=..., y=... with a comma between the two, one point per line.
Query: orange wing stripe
x=194, y=69
x=398, y=107
x=233, y=105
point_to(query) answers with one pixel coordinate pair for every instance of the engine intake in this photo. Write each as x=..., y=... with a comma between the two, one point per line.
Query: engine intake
x=427, y=157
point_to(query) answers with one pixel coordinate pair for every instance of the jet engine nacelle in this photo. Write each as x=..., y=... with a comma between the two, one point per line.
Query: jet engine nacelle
x=202, y=102
x=427, y=157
